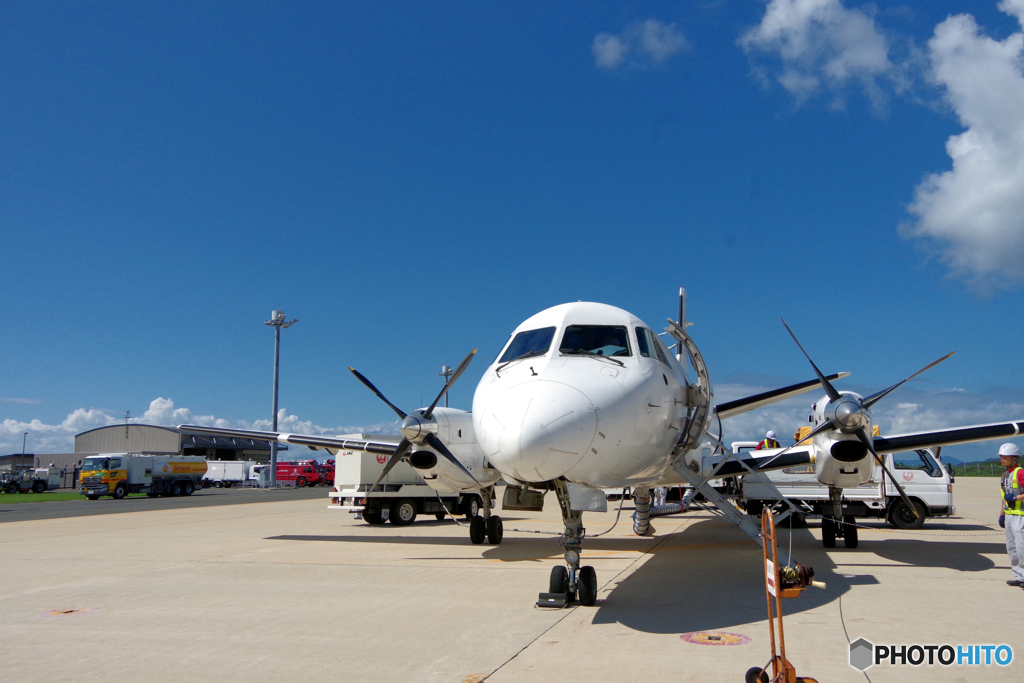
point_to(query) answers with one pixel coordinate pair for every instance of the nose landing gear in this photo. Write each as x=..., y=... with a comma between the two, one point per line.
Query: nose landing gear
x=572, y=583
x=486, y=525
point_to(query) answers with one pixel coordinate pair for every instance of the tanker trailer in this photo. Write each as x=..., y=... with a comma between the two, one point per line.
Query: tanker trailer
x=118, y=474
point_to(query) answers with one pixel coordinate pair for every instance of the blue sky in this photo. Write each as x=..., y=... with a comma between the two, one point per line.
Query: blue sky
x=411, y=180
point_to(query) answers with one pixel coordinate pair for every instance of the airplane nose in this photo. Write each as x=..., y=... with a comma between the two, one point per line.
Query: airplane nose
x=538, y=430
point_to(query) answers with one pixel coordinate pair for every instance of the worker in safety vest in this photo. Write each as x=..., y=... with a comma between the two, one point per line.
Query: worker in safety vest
x=1011, y=516
x=768, y=442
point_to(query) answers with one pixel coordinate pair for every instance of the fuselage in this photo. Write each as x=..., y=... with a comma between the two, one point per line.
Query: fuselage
x=584, y=391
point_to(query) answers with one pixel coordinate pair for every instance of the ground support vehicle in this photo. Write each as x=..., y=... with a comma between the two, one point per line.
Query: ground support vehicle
x=118, y=474
x=300, y=473
x=36, y=480
x=401, y=496
x=926, y=482
x=226, y=473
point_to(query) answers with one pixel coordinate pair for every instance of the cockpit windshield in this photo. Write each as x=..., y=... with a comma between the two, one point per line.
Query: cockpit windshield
x=600, y=340
x=529, y=343
x=95, y=464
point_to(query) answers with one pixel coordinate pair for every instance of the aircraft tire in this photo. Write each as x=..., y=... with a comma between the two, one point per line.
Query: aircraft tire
x=587, y=586
x=477, y=530
x=559, y=581
x=850, y=532
x=495, y=530
x=828, y=532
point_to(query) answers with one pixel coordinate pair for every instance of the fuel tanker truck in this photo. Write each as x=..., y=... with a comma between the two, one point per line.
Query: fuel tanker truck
x=118, y=474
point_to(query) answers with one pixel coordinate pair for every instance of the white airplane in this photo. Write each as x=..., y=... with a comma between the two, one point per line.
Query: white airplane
x=586, y=396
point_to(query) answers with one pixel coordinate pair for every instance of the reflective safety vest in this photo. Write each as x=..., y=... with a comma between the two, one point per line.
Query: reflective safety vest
x=1011, y=484
x=768, y=443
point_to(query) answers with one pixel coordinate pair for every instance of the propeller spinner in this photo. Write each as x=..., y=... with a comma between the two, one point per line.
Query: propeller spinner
x=419, y=427
x=850, y=414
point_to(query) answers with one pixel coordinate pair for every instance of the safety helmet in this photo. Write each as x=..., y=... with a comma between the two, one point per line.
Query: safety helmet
x=1009, y=449
x=770, y=434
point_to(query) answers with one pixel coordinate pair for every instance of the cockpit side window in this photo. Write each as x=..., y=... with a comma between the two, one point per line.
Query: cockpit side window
x=529, y=343
x=648, y=346
x=601, y=340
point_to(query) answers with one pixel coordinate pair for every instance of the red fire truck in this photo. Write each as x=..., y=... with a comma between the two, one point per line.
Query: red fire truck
x=302, y=473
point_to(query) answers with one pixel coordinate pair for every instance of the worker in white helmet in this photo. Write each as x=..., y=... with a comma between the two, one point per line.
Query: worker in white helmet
x=1011, y=514
x=768, y=441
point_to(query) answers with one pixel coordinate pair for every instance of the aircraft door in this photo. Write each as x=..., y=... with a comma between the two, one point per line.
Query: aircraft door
x=699, y=395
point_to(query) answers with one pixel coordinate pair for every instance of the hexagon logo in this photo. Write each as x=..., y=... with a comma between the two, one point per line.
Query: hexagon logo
x=862, y=654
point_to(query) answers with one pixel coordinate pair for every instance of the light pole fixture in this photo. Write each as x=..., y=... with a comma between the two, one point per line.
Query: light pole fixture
x=446, y=372
x=276, y=321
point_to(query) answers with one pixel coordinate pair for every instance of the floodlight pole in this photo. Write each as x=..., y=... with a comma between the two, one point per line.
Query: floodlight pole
x=446, y=372
x=277, y=322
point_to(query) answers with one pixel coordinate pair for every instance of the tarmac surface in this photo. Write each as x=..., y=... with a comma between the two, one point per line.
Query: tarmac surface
x=287, y=590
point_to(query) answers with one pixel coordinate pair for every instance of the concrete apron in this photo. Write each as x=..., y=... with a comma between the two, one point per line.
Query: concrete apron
x=285, y=591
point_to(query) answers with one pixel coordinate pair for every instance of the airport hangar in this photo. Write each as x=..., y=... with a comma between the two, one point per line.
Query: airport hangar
x=149, y=439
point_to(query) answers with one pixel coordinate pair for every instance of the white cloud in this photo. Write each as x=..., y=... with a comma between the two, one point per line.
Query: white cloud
x=822, y=45
x=641, y=44
x=972, y=216
x=60, y=438
x=24, y=401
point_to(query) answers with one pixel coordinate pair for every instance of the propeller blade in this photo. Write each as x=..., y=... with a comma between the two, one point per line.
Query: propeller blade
x=403, y=446
x=829, y=389
x=439, y=446
x=369, y=385
x=875, y=398
x=862, y=434
x=451, y=380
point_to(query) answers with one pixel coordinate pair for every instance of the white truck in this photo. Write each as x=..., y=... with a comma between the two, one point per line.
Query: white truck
x=927, y=483
x=401, y=496
x=226, y=473
x=118, y=474
x=36, y=480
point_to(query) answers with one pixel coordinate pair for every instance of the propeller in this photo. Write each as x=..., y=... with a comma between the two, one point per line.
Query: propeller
x=851, y=414
x=419, y=429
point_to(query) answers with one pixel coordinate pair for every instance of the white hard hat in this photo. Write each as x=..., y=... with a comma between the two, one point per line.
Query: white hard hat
x=1009, y=449
x=770, y=434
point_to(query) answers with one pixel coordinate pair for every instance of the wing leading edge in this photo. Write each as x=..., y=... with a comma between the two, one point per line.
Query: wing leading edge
x=948, y=437
x=329, y=444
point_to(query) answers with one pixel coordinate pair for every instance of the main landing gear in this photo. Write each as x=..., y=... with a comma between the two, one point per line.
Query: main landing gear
x=834, y=525
x=486, y=526
x=575, y=582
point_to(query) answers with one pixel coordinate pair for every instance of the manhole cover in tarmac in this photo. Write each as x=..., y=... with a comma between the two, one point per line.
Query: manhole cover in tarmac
x=715, y=638
x=66, y=612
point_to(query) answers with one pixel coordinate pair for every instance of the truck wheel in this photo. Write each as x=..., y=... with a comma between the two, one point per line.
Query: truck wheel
x=12, y=487
x=93, y=497
x=472, y=507
x=217, y=484
x=176, y=489
x=850, y=532
x=902, y=517
x=187, y=488
x=372, y=516
x=300, y=482
x=754, y=507
x=38, y=486
x=403, y=511
x=828, y=532
x=120, y=492
x=227, y=484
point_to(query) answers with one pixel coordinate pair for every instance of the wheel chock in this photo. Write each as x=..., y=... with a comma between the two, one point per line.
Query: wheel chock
x=553, y=600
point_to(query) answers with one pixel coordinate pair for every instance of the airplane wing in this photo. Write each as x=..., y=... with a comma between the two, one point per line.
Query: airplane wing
x=743, y=405
x=330, y=444
x=948, y=437
x=771, y=459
